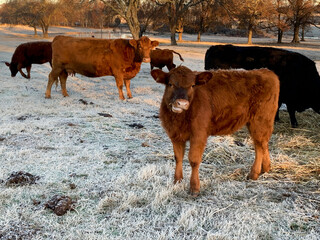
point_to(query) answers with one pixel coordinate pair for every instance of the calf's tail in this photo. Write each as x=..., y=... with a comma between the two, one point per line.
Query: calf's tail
x=178, y=54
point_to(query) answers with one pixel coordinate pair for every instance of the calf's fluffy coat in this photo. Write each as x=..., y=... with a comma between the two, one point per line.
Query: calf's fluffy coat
x=197, y=105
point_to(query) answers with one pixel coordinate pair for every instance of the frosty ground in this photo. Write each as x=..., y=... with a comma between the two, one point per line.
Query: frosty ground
x=123, y=175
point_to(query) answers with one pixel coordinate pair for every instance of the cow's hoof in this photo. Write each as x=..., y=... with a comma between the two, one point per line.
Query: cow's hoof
x=194, y=193
x=252, y=176
x=47, y=97
x=177, y=180
x=265, y=169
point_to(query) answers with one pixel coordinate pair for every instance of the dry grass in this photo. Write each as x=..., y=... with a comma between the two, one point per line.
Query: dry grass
x=121, y=178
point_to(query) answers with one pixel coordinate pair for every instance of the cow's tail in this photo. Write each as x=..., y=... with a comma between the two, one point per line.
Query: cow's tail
x=178, y=54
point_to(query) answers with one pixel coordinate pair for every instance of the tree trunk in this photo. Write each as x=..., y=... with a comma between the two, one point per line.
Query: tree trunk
x=295, y=34
x=173, y=34
x=135, y=31
x=250, y=30
x=199, y=37
x=35, y=31
x=302, y=34
x=280, y=35
x=180, y=37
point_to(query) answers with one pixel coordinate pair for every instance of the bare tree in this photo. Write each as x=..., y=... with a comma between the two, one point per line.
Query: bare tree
x=149, y=13
x=299, y=14
x=249, y=13
x=201, y=17
x=281, y=20
x=128, y=9
x=175, y=9
x=33, y=13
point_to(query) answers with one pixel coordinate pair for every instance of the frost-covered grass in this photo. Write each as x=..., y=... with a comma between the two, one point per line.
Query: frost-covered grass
x=124, y=175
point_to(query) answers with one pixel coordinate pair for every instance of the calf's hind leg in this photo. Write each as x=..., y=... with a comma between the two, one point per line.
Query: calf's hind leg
x=260, y=135
x=53, y=77
x=63, y=80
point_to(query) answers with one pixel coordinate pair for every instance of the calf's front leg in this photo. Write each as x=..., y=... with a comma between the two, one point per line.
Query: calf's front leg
x=178, y=148
x=21, y=72
x=197, y=146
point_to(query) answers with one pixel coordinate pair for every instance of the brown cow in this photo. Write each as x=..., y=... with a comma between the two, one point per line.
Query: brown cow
x=93, y=57
x=197, y=105
x=27, y=54
x=163, y=57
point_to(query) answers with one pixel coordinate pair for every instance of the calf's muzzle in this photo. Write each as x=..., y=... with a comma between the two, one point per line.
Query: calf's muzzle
x=179, y=105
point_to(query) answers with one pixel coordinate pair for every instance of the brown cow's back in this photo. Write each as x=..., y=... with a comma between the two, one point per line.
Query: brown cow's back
x=93, y=57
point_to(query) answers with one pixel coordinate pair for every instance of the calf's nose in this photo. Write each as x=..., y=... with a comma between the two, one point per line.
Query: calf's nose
x=182, y=103
x=146, y=60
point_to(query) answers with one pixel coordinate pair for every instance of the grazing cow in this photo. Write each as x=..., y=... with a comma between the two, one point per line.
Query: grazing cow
x=196, y=105
x=27, y=54
x=299, y=79
x=93, y=57
x=163, y=57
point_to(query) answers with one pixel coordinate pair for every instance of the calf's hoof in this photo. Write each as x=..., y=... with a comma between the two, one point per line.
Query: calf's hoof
x=177, y=180
x=265, y=169
x=252, y=176
x=194, y=193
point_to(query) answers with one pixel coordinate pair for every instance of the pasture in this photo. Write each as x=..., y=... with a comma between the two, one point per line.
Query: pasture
x=116, y=163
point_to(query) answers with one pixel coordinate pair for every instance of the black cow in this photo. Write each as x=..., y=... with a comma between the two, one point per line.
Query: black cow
x=299, y=79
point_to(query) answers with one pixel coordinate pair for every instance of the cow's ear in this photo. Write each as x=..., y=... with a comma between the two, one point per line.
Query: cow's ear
x=133, y=43
x=8, y=64
x=154, y=44
x=203, y=78
x=159, y=76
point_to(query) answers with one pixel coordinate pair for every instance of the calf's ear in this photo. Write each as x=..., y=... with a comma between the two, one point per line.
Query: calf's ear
x=203, y=78
x=159, y=76
x=154, y=44
x=133, y=43
x=8, y=64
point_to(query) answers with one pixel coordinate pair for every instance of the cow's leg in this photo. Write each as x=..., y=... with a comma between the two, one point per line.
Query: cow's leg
x=119, y=82
x=277, y=118
x=292, y=115
x=197, y=146
x=28, y=71
x=262, y=160
x=127, y=83
x=178, y=148
x=63, y=81
x=260, y=135
x=21, y=72
x=53, y=77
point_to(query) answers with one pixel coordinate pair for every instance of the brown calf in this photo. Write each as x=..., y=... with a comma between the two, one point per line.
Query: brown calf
x=27, y=54
x=163, y=57
x=197, y=105
x=93, y=57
